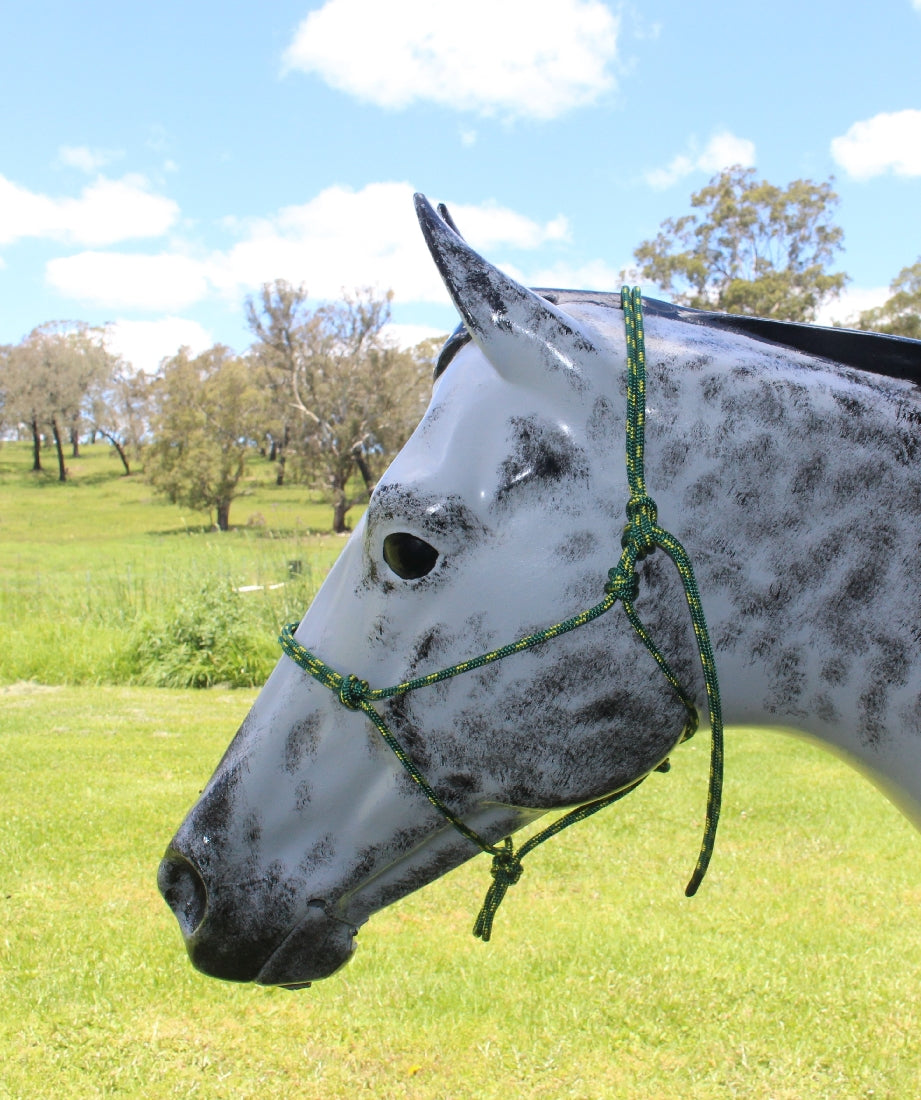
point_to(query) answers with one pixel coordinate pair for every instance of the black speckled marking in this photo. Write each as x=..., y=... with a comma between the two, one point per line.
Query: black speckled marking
x=577, y=547
x=301, y=741
x=542, y=456
x=601, y=421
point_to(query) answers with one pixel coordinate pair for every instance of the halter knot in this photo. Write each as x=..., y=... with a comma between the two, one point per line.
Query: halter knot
x=506, y=871
x=353, y=692
x=640, y=532
x=506, y=868
x=622, y=585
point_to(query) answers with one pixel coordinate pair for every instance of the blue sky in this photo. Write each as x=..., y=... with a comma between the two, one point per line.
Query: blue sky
x=159, y=162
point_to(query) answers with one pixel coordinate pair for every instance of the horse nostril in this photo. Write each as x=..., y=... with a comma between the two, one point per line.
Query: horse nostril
x=183, y=890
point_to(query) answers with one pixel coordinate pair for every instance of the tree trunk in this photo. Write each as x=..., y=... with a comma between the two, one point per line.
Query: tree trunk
x=365, y=470
x=341, y=505
x=36, y=447
x=75, y=442
x=56, y=431
x=280, y=454
x=223, y=515
x=118, y=447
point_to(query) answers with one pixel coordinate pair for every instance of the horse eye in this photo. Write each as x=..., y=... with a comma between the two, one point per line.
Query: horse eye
x=409, y=557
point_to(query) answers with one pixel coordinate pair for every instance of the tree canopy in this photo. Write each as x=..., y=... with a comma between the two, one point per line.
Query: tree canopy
x=749, y=247
x=344, y=398
x=48, y=377
x=900, y=314
x=207, y=412
x=117, y=408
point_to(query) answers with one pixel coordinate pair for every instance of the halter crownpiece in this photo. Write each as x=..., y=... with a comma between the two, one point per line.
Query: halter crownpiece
x=641, y=536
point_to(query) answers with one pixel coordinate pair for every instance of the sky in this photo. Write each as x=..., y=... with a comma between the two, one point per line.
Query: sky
x=159, y=163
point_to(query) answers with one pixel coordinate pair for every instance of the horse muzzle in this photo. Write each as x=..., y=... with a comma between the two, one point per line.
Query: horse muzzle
x=248, y=933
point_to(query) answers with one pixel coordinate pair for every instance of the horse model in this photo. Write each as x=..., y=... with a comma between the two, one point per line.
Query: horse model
x=786, y=465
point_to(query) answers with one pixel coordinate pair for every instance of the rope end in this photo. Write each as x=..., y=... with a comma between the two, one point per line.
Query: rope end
x=506, y=871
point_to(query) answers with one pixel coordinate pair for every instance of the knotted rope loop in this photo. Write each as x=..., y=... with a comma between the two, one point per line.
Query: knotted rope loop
x=353, y=692
x=642, y=512
x=506, y=870
x=623, y=582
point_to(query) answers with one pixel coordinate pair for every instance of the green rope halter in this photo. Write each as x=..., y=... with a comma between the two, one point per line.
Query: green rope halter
x=641, y=536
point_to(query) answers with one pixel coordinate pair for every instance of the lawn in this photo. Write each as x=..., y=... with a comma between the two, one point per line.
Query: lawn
x=793, y=974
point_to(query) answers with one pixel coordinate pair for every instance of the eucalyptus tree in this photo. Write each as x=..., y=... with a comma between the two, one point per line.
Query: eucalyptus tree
x=347, y=398
x=900, y=314
x=49, y=376
x=206, y=412
x=118, y=409
x=750, y=247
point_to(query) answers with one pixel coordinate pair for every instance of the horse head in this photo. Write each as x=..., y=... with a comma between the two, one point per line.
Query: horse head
x=501, y=516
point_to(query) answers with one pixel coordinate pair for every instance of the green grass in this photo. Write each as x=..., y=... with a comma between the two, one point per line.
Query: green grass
x=93, y=570
x=794, y=973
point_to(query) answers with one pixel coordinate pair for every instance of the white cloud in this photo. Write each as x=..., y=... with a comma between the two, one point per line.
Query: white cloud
x=516, y=58
x=86, y=159
x=107, y=211
x=338, y=240
x=117, y=280
x=880, y=144
x=407, y=336
x=853, y=301
x=723, y=150
x=344, y=238
x=489, y=225
x=144, y=343
x=594, y=275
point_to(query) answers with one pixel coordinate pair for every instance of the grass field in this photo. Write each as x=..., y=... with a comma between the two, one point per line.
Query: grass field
x=95, y=568
x=794, y=974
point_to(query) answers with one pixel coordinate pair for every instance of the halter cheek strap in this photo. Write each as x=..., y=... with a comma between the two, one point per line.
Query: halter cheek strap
x=641, y=536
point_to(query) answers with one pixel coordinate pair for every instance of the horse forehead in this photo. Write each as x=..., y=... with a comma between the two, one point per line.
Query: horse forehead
x=474, y=425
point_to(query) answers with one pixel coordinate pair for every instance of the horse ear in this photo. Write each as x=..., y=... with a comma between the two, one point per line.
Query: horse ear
x=524, y=336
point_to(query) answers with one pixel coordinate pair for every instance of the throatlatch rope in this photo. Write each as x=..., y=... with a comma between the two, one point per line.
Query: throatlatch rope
x=641, y=536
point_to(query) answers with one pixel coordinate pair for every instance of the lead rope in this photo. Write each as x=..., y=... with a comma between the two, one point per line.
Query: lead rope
x=641, y=535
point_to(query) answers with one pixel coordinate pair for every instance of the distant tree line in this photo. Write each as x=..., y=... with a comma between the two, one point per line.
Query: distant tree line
x=330, y=400
x=321, y=391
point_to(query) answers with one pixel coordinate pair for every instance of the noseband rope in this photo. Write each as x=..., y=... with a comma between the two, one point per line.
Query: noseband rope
x=641, y=536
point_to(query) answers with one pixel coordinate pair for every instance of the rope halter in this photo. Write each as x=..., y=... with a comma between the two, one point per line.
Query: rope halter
x=641, y=536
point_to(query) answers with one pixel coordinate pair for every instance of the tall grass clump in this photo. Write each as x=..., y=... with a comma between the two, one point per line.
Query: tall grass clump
x=195, y=623
x=212, y=634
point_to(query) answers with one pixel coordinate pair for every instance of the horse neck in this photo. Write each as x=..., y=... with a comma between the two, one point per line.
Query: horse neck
x=796, y=489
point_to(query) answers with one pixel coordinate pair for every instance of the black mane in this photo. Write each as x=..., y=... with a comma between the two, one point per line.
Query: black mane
x=874, y=352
